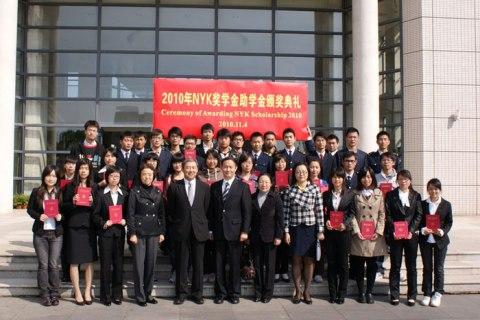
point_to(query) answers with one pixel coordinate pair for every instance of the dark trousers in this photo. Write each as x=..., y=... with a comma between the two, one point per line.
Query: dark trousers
x=359, y=264
x=184, y=250
x=145, y=258
x=397, y=247
x=111, y=267
x=433, y=259
x=336, y=244
x=227, y=286
x=209, y=257
x=48, y=247
x=264, y=262
x=281, y=261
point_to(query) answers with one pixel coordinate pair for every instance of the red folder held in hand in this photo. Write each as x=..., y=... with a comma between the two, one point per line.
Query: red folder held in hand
x=190, y=154
x=336, y=219
x=158, y=184
x=385, y=187
x=367, y=228
x=401, y=229
x=251, y=185
x=115, y=214
x=64, y=183
x=281, y=178
x=83, y=196
x=433, y=221
x=51, y=207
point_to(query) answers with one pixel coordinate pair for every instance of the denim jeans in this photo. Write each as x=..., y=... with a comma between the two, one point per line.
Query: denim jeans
x=48, y=247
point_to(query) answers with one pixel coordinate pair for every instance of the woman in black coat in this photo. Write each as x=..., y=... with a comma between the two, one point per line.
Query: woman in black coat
x=403, y=204
x=81, y=236
x=434, y=242
x=265, y=235
x=146, y=228
x=47, y=235
x=111, y=233
x=337, y=199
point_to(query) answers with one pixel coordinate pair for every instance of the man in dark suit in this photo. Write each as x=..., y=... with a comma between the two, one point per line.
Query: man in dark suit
x=229, y=218
x=349, y=163
x=352, y=138
x=164, y=156
x=374, y=158
x=262, y=162
x=317, y=148
x=207, y=143
x=291, y=153
x=127, y=159
x=187, y=208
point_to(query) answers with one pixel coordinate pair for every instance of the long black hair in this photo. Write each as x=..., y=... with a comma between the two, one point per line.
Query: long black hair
x=76, y=177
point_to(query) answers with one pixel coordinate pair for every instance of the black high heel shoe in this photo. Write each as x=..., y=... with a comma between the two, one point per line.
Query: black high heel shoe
x=307, y=301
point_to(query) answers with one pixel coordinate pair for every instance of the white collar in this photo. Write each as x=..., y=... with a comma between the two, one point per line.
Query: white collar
x=429, y=201
x=230, y=181
x=107, y=190
x=292, y=150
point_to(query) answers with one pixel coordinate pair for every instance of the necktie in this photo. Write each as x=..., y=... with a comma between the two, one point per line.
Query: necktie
x=290, y=153
x=349, y=181
x=127, y=155
x=225, y=191
x=190, y=193
x=255, y=157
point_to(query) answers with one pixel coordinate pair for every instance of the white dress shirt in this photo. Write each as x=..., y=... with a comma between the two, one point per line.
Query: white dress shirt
x=113, y=194
x=404, y=197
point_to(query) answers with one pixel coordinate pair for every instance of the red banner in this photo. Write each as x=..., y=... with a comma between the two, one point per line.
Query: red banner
x=245, y=106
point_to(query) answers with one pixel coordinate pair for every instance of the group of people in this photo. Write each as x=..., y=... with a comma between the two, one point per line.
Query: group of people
x=219, y=200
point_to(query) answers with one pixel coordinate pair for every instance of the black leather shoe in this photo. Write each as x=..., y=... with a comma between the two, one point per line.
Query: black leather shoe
x=369, y=298
x=266, y=299
x=142, y=303
x=361, y=298
x=331, y=300
x=152, y=300
x=296, y=300
x=234, y=300
x=54, y=301
x=411, y=302
x=117, y=301
x=340, y=300
x=107, y=303
x=394, y=302
x=88, y=302
x=257, y=299
x=46, y=302
x=197, y=300
x=218, y=300
x=179, y=300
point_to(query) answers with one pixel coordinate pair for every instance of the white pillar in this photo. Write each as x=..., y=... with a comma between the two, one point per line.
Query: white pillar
x=8, y=41
x=365, y=71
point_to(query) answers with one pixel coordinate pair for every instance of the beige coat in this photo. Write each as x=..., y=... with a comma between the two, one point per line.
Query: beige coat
x=368, y=209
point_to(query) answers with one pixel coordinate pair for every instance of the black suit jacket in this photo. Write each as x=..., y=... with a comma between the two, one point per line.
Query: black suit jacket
x=267, y=221
x=201, y=152
x=346, y=205
x=328, y=164
x=101, y=215
x=395, y=211
x=446, y=220
x=35, y=210
x=297, y=157
x=263, y=163
x=164, y=162
x=353, y=182
x=362, y=159
x=183, y=217
x=375, y=163
x=228, y=219
x=77, y=216
x=131, y=166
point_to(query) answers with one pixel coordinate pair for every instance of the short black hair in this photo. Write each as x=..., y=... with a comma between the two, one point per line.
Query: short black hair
x=214, y=153
x=157, y=132
x=91, y=123
x=237, y=134
x=320, y=134
x=389, y=155
x=139, y=134
x=349, y=154
x=434, y=182
x=110, y=170
x=294, y=179
x=256, y=134
x=279, y=156
x=332, y=136
x=404, y=173
x=126, y=134
x=177, y=157
x=207, y=126
x=224, y=132
x=150, y=156
x=351, y=130
x=383, y=133
x=269, y=133
x=175, y=130
x=69, y=159
x=288, y=130
x=338, y=172
x=190, y=137
x=229, y=158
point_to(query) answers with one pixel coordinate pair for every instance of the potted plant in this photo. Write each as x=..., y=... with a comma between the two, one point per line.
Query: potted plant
x=20, y=201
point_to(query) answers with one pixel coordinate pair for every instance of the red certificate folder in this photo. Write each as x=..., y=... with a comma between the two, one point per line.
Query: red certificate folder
x=51, y=207
x=251, y=185
x=433, y=221
x=190, y=154
x=256, y=173
x=401, y=229
x=281, y=178
x=83, y=196
x=115, y=214
x=158, y=184
x=64, y=183
x=130, y=183
x=385, y=187
x=323, y=187
x=367, y=228
x=336, y=219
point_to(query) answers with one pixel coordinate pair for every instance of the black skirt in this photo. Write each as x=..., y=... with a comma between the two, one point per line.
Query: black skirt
x=303, y=241
x=81, y=245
